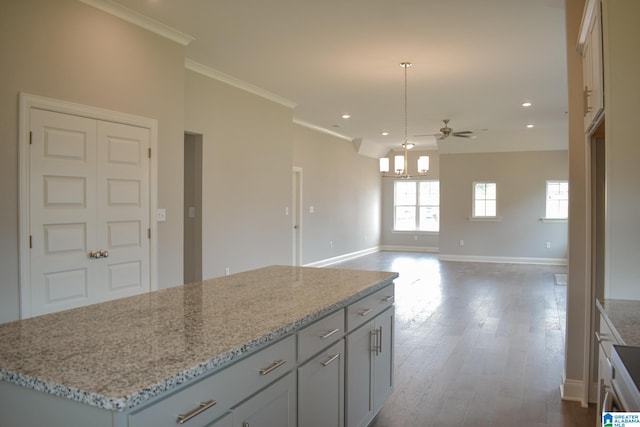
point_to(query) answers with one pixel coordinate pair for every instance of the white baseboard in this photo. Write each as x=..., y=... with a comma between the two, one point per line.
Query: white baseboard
x=393, y=248
x=573, y=390
x=503, y=260
x=341, y=258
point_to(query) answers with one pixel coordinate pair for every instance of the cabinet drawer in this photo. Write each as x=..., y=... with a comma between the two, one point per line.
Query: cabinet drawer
x=368, y=307
x=226, y=388
x=320, y=334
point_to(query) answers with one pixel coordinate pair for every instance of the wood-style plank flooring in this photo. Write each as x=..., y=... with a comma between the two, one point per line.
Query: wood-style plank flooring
x=477, y=344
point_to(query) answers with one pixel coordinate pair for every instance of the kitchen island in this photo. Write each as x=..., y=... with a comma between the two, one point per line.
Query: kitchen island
x=122, y=361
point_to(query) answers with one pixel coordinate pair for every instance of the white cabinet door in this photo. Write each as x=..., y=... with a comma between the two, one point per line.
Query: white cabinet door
x=321, y=389
x=88, y=192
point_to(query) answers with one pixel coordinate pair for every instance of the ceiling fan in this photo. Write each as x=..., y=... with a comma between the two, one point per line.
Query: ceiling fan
x=446, y=131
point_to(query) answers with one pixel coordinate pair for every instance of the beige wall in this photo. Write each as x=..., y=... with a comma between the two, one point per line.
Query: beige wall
x=521, y=184
x=67, y=50
x=246, y=175
x=344, y=190
x=622, y=144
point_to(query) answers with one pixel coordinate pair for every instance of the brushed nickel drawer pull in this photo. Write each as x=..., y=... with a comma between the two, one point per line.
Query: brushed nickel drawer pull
x=275, y=365
x=331, y=359
x=388, y=298
x=324, y=337
x=373, y=346
x=200, y=409
x=365, y=312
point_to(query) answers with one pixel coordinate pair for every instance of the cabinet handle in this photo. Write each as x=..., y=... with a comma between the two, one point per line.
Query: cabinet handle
x=602, y=338
x=245, y=424
x=374, y=346
x=275, y=365
x=324, y=337
x=203, y=406
x=365, y=312
x=331, y=359
x=585, y=98
x=387, y=298
x=379, y=349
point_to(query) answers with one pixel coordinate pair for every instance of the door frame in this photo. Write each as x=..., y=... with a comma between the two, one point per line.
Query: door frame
x=26, y=103
x=296, y=215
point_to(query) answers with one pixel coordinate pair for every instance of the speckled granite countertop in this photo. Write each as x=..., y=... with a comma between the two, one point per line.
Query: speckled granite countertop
x=118, y=354
x=624, y=316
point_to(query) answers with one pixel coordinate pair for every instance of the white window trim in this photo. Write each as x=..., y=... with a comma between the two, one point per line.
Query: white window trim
x=553, y=219
x=473, y=217
x=416, y=231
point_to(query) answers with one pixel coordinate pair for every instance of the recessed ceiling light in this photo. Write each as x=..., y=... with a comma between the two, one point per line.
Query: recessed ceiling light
x=346, y=116
x=529, y=126
x=526, y=104
x=385, y=133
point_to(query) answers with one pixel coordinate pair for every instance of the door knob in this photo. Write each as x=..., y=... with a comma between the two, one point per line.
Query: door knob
x=95, y=254
x=104, y=254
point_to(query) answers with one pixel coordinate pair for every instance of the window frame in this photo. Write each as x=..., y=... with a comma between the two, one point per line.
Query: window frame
x=416, y=206
x=547, y=199
x=474, y=199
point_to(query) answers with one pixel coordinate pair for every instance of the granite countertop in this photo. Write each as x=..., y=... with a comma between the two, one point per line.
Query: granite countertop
x=624, y=316
x=118, y=354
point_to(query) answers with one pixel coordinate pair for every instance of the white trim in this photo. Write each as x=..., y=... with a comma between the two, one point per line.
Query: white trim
x=485, y=218
x=297, y=214
x=342, y=258
x=503, y=260
x=230, y=80
x=321, y=129
x=554, y=220
x=141, y=20
x=399, y=248
x=587, y=18
x=573, y=391
x=27, y=102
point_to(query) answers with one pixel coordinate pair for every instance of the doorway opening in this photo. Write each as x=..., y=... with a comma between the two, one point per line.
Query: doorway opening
x=192, y=207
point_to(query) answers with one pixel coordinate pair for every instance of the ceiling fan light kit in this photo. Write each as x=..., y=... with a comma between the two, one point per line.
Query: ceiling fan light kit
x=401, y=162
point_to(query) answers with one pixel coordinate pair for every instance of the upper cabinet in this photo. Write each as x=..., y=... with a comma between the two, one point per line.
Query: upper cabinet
x=590, y=46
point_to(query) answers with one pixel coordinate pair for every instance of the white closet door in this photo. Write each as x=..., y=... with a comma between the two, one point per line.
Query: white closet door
x=89, y=192
x=63, y=216
x=123, y=209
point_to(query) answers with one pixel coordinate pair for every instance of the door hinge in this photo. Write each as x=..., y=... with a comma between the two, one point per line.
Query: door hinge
x=149, y=233
x=149, y=152
x=30, y=137
x=30, y=242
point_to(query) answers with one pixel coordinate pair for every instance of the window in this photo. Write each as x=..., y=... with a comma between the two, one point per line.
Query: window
x=484, y=200
x=557, y=200
x=417, y=206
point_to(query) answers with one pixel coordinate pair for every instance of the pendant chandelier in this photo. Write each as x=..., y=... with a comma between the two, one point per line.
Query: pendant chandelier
x=401, y=162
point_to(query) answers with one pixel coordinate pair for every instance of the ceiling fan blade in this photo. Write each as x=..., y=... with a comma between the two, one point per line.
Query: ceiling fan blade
x=463, y=132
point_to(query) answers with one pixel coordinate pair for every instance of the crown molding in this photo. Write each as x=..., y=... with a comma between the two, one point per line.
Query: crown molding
x=321, y=129
x=230, y=80
x=141, y=20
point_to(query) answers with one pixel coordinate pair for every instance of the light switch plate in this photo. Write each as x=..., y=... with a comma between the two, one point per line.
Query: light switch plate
x=161, y=215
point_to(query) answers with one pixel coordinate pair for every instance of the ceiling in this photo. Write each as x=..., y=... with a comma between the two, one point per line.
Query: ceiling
x=474, y=62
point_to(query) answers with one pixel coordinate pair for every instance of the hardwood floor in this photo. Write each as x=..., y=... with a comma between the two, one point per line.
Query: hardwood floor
x=477, y=344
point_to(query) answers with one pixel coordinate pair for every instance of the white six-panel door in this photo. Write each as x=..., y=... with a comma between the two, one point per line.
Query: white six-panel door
x=89, y=211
